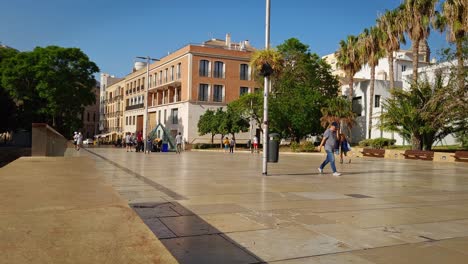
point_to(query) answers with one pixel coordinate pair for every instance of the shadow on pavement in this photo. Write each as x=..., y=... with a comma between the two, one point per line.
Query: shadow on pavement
x=188, y=237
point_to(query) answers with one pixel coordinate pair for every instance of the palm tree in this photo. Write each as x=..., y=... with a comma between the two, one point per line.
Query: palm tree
x=416, y=17
x=392, y=35
x=348, y=60
x=339, y=110
x=372, y=51
x=454, y=19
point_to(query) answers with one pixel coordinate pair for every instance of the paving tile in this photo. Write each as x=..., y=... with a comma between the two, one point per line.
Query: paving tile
x=427, y=253
x=339, y=258
x=191, y=225
x=457, y=244
x=207, y=249
x=321, y=195
x=436, y=231
x=154, y=210
x=285, y=243
x=158, y=228
x=232, y=222
x=215, y=208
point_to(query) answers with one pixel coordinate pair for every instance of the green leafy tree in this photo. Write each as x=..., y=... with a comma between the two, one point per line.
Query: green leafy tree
x=250, y=106
x=232, y=122
x=51, y=85
x=348, y=59
x=207, y=124
x=371, y=52
x=8, y=109
x=304, y=83
x=417, y=15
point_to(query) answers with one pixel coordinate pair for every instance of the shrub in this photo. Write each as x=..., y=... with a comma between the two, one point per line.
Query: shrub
x=377, y=143
x=295, y=147
x=308, y=147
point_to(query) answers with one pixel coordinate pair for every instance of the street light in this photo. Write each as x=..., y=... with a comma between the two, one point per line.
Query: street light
x=265, y=93
x=145, y=118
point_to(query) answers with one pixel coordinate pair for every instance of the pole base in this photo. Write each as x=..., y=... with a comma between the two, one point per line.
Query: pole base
x=264, y=173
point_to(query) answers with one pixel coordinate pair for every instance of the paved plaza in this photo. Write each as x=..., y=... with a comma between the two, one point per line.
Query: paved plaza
x=214, y=207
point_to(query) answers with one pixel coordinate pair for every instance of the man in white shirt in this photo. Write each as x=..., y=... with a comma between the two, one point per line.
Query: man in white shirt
x=255, y=144
x=178, y=140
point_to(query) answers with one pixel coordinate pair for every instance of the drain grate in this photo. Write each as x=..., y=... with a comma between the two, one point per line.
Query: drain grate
x=357, y=195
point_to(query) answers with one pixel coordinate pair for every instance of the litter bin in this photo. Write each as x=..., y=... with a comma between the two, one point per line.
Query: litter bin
x=165, y=147
x=273, y=147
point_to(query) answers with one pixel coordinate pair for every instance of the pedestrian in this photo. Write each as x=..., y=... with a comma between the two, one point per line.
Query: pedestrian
x=133, y=141
x=149, y=145
x=255, y=143
x=226, y=144
x=330, y=140
x=79, y=141
x=345, y=148
x=139, y=140
x=232, y=144
x=75, y=139
x=178, y=140
x=128, y=142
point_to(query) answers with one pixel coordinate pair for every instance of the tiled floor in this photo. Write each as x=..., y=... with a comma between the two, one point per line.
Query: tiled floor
x=209, y=207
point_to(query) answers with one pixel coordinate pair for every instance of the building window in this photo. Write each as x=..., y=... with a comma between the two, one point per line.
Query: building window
x=155, y=79
x=126, y=120
x=244, y=71
x=244, y=90
x=88, y=117
x=256, y=90
x=218, y=93
x=94, y=117
x=159, y=117
x=172, y=73
x=165, y=75
x=160, y=77
x=377, y=101
x=218, y=69
x=357, y=105
x=203, y=92
x=165, y=116
x=175, y=116
x=179, y=68
x=403, y=68
x=204, y=68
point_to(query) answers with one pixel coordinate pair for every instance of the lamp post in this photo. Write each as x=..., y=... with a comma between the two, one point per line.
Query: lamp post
x=145, y=117
x=265, y=93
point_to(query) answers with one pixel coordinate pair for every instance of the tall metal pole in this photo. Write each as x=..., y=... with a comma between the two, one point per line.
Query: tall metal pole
x=145, y=127
x=265, y=94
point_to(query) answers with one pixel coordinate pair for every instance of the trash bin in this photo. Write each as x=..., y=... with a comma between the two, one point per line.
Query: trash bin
x=165, y=147
x=273, y=147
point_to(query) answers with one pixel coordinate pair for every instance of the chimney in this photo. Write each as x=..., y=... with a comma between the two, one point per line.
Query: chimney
x=228, y=41
x=247, y=43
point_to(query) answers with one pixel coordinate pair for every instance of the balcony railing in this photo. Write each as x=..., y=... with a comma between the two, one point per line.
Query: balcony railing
x=132, y=107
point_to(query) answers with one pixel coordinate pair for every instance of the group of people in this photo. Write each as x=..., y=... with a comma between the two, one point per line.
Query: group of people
x=138, y=142
x=334, y=142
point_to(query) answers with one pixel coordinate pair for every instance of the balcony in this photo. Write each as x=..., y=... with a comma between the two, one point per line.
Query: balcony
x=132, y=107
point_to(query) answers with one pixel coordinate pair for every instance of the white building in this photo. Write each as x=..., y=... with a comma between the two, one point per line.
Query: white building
x=106, y=81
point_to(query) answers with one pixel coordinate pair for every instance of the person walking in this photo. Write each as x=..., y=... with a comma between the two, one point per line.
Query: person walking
x=149, y=145
x=329, y=141
x=75, y=140
x=255, y=144
x=226, y=144
x=178, y=140
x=344, y=147
x=139, y=142
x=79, y=141
x=232, y=144
x=128, y=142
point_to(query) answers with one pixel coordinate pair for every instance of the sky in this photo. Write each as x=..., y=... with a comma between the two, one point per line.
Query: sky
x=113, y=33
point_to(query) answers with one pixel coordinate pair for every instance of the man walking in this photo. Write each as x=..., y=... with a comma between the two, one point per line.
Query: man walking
x=178, y=140
x=329, y=140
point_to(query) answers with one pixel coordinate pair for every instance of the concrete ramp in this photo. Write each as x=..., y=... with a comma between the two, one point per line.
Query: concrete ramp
x=59, y=210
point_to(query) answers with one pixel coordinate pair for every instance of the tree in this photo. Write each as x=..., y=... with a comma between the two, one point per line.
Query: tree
x=232, y=122
x=207, y=124
x=339, y=110
x=304, y=83
x=348, y=60
x=425, y=113
x=371, y=52
x=8, y=109
x=250, y=106
x=51, y=85
x=392, y=35
x=416, y=17
x=454, y=19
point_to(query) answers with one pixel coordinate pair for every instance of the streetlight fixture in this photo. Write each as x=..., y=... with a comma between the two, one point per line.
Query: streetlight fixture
x=265, y=93
x=145, y=118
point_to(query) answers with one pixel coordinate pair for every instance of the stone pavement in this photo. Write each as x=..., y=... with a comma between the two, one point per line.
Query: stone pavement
x=60, y=210
x=209, y=207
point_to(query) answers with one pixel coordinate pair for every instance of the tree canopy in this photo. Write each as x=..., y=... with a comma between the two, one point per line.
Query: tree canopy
x=51, y=85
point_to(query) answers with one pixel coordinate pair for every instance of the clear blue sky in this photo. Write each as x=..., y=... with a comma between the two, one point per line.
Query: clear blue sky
x=112, y=33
